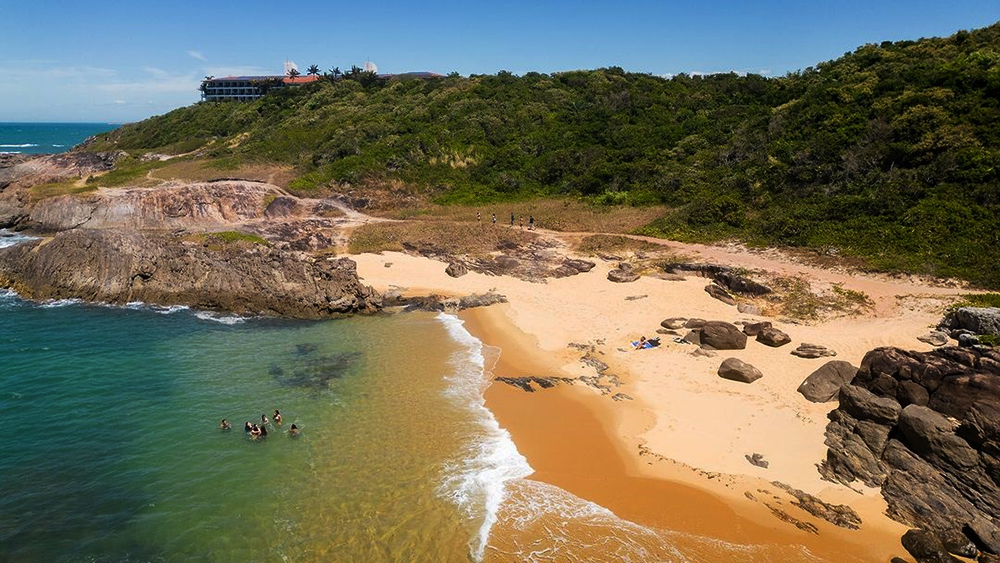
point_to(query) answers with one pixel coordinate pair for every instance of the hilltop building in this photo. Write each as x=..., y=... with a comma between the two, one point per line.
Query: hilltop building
x=249, y=88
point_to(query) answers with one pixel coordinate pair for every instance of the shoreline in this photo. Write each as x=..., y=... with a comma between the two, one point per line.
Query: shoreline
x=684, y=433
x=571, y=440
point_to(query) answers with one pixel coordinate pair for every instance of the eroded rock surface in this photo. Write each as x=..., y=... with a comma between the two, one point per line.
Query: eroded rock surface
x=117, y=266
x=925, y=427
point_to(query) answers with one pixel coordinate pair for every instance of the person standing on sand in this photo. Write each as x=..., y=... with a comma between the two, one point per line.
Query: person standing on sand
x=522, y=222
x=512, y=219
x=494, y=218
x=531, y=222
x=479, y=216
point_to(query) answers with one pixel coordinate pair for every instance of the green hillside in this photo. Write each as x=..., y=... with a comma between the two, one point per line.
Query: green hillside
x=889, y=153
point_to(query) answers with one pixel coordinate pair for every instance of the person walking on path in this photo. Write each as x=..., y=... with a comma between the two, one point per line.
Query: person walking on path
x=512, y=219
x=531, y=222
x=494, y=218
x=522, y=222
x=479, y=217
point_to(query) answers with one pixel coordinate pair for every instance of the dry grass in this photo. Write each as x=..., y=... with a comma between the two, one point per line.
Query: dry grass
x=554, y=214
x=53, y=189
x=443, y=237
x=796, y=299
x=203, y=170
x=597, y=244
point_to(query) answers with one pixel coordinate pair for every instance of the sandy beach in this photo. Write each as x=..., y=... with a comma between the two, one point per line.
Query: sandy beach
x=665, y=445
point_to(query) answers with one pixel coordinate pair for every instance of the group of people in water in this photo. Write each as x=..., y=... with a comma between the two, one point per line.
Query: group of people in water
x=258, y=432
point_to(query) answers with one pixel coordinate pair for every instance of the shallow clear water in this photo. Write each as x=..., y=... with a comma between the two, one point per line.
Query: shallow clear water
x=113, y=452
x=38, y=138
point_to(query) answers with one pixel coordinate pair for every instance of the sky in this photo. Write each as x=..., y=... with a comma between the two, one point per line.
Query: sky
x=120, y=61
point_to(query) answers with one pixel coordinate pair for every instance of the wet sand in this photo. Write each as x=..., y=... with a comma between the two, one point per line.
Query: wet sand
x=567, y=433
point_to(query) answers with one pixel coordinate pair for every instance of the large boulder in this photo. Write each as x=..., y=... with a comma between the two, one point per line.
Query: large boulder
x=673, y=323
x=929, y=434
x=748, y=308
x=735, y=369
x=623, y=274
x=862, y=404
x=773, y=337
x=980, y=320
x=753, y=329
x=824, y=384
x=720, y=335
x=926, y=547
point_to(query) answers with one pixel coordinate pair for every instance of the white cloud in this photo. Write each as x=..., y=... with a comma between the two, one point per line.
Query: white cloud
x=197, y=55
x=120, y=102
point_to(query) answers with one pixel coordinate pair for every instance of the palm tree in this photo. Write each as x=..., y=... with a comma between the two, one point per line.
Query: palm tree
x=313, y=70
x=293, y=74
x=207, y=78
x=335, y=71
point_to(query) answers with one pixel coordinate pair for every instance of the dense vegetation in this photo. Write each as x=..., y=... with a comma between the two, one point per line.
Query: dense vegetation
x=889, y=153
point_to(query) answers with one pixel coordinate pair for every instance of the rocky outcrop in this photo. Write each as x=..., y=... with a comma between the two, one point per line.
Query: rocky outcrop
x=725, y=276
x=719, y=293
x=753, y=329
x=572, y=267
x=673, y=323
x=824, y=384
x=719, y=335
x=812, y=351
x=934, y=338
x=735, y=369
x=978, y=320
x=773, y=337
x=925, y=427
x=456, y=270
x=623, y=274
x=208, y=204
x=445, y=304
x=116, y=266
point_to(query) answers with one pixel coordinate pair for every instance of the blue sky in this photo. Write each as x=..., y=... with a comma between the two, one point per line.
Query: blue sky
x=126, y=60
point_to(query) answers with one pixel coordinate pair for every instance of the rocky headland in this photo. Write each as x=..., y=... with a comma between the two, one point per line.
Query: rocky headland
x=159, y=245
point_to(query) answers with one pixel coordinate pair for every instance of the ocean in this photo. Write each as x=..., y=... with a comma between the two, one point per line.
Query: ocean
x=39, y=138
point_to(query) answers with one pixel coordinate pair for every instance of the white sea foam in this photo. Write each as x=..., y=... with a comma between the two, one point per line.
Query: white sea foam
x=25, y=145
x=478, y=483
x=10, y=152
x=60, y=303
x=219, y=317
x=8, y=238
x=58, y=145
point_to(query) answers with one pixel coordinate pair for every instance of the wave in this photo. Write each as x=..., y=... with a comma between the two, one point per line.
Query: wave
x=52, y=303
x=478, y=483
x=10, y=152
x=59, y=146
x=220, y=317
x=8, y=238
x=25, y=145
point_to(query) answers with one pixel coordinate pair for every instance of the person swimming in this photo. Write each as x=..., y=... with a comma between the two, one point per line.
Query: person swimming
x=277, y=417
x=263, y=431
x=294, y=430
x=255, y=432
x=225, y=424
x=263, y=420
x=247, y=427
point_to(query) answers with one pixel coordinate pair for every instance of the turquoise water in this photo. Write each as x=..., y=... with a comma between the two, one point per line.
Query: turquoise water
x=38, y=138
x=112, y=449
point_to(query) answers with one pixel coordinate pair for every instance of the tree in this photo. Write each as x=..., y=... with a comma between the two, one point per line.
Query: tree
x=335, y=71
x=293, y=74
x=313, y=70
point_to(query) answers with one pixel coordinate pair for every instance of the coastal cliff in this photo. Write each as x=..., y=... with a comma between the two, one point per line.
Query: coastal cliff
x=192, y=244
x=117, y=266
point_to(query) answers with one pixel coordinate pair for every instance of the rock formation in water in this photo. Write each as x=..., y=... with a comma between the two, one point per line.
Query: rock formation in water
x=118, y=266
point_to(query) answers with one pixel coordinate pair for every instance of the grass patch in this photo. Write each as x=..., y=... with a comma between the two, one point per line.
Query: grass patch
x=128, y=172
x=205, y=170
x=794, y=298
x=54, y=189
x=232, y=237
x=594, y=244
x=977, y=300
x=565, y=215
x=443, y=237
